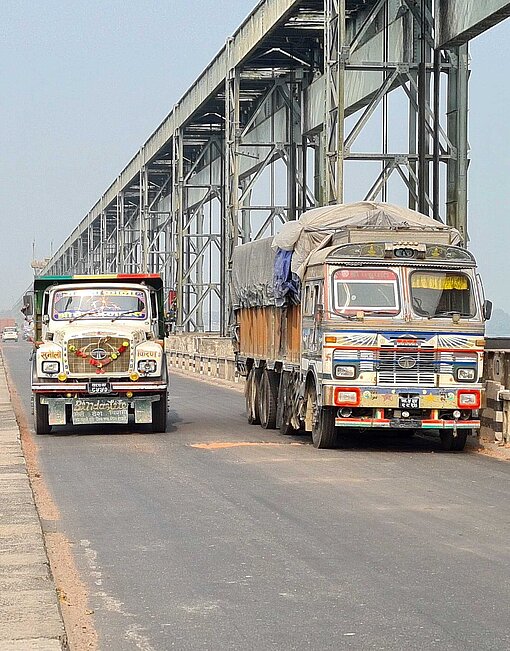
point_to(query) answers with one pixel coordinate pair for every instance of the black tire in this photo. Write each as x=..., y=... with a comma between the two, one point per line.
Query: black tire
x=452, y=443
x=285, y=405
x=159, y=411
x=268, y=399
x=285, y=426
x=323, y=424
x=41, y=417
x=251, y=391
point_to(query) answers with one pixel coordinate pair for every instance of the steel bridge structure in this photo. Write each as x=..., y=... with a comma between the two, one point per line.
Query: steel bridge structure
x=310, y=102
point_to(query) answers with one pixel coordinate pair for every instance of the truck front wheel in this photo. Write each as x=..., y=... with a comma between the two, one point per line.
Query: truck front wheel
x=452, y=443
x=41, y=417
x=159, y=414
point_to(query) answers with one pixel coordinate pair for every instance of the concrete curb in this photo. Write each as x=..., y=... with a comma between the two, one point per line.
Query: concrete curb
x=30, y=618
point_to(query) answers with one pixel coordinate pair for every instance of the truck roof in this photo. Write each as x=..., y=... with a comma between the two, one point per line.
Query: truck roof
x=42, y=283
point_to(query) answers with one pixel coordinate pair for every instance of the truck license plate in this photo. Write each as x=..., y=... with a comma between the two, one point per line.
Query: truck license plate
x=92, y=411
x=409, y=403
x=404, y=423
x=100, y=387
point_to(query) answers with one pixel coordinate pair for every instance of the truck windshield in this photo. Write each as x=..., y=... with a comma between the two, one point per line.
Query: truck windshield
x=366, y=290
x=436, y=294
x=104, y=303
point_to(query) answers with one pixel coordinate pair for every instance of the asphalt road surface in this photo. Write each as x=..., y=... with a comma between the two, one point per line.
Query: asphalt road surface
x=386, y=544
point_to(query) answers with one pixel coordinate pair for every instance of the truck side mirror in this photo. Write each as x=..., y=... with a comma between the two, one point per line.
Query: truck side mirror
x=487, y=310
x=46, y=319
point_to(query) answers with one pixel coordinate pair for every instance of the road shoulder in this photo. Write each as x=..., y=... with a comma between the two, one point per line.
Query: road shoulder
x=30, y=618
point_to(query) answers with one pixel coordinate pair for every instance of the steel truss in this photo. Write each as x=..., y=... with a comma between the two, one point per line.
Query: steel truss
x=320, y=101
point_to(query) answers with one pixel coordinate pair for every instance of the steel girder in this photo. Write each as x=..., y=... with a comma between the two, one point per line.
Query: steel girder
x=299, y=109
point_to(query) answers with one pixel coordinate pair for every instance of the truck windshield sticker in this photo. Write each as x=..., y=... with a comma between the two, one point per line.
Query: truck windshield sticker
x=436, y=294
x=367, y=290
x=104, y=303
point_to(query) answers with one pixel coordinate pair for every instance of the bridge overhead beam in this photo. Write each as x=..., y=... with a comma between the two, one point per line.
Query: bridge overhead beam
x=458, y=21
x=298, y=109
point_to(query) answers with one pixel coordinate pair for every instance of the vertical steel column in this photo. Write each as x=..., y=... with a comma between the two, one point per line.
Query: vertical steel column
x=335, y=56
x=230, y=230
x=457, y=126
x=121, y=252
x=423, y=104
x=178, y=218
x=102, y=240
x=144, y=219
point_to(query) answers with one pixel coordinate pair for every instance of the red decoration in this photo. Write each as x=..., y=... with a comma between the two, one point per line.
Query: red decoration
x=94, y=362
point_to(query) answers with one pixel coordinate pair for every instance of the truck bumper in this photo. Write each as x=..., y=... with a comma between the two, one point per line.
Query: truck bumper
x=82, y=387
x=406, y=423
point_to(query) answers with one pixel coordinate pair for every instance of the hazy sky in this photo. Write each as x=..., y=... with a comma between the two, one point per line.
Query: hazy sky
x=84, y=84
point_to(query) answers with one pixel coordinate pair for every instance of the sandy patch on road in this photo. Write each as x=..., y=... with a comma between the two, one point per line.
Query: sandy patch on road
x=71, y=591
x=221, y=445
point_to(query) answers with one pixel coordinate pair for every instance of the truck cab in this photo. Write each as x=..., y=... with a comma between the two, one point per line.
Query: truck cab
x=99, y=351
x=393, y=337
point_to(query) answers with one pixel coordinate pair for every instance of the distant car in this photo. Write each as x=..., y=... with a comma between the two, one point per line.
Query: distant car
x=9, y=334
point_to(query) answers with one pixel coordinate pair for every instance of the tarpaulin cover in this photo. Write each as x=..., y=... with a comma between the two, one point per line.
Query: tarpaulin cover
x=252, y=283
x=267, y=272
x=315, y=226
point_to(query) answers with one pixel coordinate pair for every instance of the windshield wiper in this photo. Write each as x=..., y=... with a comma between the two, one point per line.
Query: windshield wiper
x=119, y=316
x=349, y=317
x=381, y=312
x=81, y=316
x=449, y=313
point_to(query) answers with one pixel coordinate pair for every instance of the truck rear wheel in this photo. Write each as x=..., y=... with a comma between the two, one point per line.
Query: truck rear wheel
x=285, y=406
x=452, y=443
x=268, y=399
x=41, y=417
x=251, y=391
x=323, y=423
x=159, y=414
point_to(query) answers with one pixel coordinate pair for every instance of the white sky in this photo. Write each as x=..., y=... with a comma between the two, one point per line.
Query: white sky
x=84, y=84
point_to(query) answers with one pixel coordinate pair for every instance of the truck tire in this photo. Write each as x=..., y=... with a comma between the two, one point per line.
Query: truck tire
x=452, y=443
x=285, y=405
x=41, y=417
x=268, y=399
x=159, y=411
x=286, y=428
x=323, y=424
x=251, y=391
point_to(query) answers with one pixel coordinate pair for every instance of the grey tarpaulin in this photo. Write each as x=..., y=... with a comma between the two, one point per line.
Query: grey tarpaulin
x=252, y=274
x=314, y=226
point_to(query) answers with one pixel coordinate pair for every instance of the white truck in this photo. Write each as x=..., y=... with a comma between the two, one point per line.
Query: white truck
x=361, y=316
x=99, y=353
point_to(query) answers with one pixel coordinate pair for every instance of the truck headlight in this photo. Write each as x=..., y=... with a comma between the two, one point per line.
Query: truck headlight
x=345, y=371
x=465, y=374
x=50, y=367
x=147, y=366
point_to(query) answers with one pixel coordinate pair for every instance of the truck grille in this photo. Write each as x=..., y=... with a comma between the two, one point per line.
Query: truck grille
x=402, y=368
x=110, y=345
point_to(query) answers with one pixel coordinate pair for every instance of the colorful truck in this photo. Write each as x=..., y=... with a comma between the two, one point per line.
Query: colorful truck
x=361, y=316
x=99, y=352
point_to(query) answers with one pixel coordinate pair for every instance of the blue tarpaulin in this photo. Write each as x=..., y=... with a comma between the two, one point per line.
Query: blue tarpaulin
x=286, y=285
